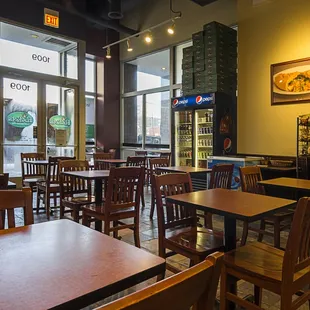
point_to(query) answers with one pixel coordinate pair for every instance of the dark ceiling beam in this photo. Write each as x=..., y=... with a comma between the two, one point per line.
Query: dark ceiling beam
x=69, y=7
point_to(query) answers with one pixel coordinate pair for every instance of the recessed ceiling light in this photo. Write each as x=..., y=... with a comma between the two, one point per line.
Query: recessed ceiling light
x=35, y=36
x=163, y=68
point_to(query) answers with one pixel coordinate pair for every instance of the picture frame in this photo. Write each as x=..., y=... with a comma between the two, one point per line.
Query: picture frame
x=290, y=82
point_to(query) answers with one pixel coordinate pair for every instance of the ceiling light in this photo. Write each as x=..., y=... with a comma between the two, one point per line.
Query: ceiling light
x=170, y=30
x=129, y=48
x=163, y=68
x=35, y=36
x=108, y=56
x=148, y=38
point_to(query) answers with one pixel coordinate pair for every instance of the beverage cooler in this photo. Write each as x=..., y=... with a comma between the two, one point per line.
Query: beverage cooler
x=202, y=126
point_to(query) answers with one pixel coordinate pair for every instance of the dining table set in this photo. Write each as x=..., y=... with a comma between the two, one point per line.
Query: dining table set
x=66, y=265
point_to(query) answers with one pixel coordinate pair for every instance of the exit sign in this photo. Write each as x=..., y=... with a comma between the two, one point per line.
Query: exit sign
x=51, y=18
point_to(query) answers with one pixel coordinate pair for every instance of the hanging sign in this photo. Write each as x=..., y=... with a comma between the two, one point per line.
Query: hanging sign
x=51, y=18
x=20, y=119
x=60, y=122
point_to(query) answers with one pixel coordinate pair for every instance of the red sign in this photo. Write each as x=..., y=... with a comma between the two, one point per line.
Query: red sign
x=51, y=18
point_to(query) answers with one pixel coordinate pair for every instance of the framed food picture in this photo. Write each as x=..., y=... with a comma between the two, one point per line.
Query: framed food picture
x=290, y=82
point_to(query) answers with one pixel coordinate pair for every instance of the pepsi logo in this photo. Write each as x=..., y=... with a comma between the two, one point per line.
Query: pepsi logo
x=198, y=99
x=175, y=102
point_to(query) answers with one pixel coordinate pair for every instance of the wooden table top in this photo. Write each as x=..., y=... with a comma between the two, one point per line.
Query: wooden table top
x=287, y=183
x=36, y=162
x=185, y=169
x=236, y=204
x=65, y=265
x=114, y=161
x=89, y=174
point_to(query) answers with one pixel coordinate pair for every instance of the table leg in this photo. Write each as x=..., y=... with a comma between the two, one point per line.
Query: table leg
x=98, y=191
x=230, y=233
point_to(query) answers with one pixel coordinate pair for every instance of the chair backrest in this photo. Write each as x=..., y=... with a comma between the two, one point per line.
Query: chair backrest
x=124, y=188
x=158, y=162
x=113, y=152
x=297, y=253
x=166, y=155
x=70, y=185
x=140, y=153
x=52, y=173
x=249, y=176
x=194, y=286
x=221, y=176
x=172, y=215
x=29, y=170
x=99, y=164
x=4, y=180
x=11, y=200
x=136, y=161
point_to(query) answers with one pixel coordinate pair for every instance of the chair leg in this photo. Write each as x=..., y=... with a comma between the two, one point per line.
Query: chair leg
x=286, y=301
x=75, y=215
x=262, y=228
x=244, y=233
x=38, y=201
x=55, y=200
x=61, y=210
x=152, y=204
x=98, y=225
x=142, y=198
x=47, y=205
x=136, y=233
x=223, y=290
x=208, y=220
x=106, y=229
x=276, y=233
x=115, y=232
x=85, y=220
x=257, y=295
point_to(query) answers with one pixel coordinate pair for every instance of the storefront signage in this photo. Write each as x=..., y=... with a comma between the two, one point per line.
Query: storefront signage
x=20, y=119
x=60, y=122
x=40, y=58
x=51, y=18
x=18, y=86
x=191, y=101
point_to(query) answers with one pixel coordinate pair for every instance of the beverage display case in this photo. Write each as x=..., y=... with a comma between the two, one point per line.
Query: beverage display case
x=303, y=147
x=202, y=126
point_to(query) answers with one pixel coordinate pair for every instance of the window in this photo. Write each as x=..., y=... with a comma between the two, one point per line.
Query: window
x=133, y=120
x=158, y=118
x=90, y=71
x=178, y=61
x=147, y=72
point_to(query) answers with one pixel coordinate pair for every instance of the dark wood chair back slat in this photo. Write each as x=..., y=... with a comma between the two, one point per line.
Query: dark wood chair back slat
x=11, y=200
x=158, y=162
x=297, y=253
x=249, y=176
x=4, y=180
x=100, y=165
x=52, y=173
x=71, y=186
x=136, y=161
x=172, y=215
x=29, y=170
x=124, y=188
x=194, y=286
x=221, y=176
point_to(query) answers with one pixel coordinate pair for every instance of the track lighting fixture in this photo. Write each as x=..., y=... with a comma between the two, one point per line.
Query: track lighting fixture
x=170, y=29
x=108, y=56
x=148, y=38
x=129, y=48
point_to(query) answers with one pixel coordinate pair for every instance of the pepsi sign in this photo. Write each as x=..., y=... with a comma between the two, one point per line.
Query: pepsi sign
x=192, y=101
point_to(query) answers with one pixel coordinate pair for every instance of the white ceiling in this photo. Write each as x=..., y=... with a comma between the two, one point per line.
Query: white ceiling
x=24, y=36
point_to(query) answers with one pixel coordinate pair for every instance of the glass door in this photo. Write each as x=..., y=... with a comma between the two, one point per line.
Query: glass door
x=183, y=138
x=203, y=137
x=60, y=120
x=20, y=121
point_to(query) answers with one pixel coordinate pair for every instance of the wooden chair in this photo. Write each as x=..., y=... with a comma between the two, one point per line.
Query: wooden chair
x=74, y=192
x=137, y=161
x=250, y=176
x=283, y=273
x=4, y=180
x=31, y=174
x=154, y=164
x=100, y=165
x=177, y=225
x=122, y=202
x=166, y=155
x=11, y=200
x=195, y=286
x=50, y=188
x=221, y=177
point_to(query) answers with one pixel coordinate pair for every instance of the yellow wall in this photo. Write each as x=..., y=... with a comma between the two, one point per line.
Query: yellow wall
x=153, y=12
x=272, y=32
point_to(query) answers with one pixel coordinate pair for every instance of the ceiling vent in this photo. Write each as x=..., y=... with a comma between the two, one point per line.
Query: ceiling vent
x=115, y=9
x=203, y=2
x=57, y=41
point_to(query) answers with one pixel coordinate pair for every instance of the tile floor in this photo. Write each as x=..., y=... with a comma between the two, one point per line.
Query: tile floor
x=148, y=236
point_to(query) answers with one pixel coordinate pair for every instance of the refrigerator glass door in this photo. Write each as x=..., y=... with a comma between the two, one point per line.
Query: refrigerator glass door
x=203, y=136
x=183, y=138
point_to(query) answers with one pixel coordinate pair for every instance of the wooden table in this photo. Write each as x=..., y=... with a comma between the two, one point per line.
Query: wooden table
x=97, y=175
x=232, y=205
x=64, y=265
x=114, y=162
x=185, y=169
